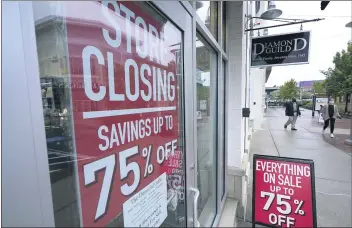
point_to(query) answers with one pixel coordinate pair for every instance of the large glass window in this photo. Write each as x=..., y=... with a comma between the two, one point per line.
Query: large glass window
x=222, y=139
x=224, y=27
x=206, y=130
x=111, y=82
x=208, y=13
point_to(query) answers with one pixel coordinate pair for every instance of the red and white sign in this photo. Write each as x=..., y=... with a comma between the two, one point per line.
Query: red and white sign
x=125, y=59
x=283, y=192
x=174, y=168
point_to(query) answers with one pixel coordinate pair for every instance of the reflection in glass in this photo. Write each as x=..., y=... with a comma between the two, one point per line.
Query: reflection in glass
x=208, y=13
x=63, y=30
x=206, y=131
x=191, y=2
x=222, y=139
x=224, y=32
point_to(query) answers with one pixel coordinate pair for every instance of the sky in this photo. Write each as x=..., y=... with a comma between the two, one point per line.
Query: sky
x=327, y=37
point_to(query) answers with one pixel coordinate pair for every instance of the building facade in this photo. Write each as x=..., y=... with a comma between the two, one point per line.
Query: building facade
x=307, y=86
x=130, y=113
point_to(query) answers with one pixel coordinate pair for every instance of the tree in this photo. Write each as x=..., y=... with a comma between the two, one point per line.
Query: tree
x=275, y=94
x=331, y=83
x=306, y=95
x=289, y=89
x=318, y=87
x=338, y=80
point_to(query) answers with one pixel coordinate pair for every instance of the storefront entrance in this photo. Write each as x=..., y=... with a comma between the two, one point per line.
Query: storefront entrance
x=131, y=113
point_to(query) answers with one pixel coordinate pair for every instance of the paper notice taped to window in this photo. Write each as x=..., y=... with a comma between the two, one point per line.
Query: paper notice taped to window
x=148, y=207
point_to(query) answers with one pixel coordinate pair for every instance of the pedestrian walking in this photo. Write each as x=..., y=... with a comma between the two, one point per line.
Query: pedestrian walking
x=330, y=112
x=292, y=111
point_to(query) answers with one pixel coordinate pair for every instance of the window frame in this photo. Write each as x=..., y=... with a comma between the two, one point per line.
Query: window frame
x=33, y=104
x=221, y=55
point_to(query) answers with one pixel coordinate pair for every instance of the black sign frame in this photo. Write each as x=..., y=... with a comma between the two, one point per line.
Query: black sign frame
x=285, y=159
x=276, y=37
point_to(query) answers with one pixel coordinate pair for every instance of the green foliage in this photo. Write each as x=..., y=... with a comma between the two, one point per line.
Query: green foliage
x=275, y=94
x=288, y=90
x=338, y=79
x=306, y=95
x=318, y=87
x=307, y=105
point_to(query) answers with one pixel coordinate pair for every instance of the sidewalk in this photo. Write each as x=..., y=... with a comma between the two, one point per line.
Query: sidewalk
x=341, y=132
x=332, y=165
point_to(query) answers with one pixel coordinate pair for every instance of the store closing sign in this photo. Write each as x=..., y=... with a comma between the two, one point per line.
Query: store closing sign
x=283, y=192
x=131, y=125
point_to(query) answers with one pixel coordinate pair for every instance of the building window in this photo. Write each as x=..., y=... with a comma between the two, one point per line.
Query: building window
x=223, y=163
x=94, y=177
x=224, y=34
x=207, y=11
x=206, y=131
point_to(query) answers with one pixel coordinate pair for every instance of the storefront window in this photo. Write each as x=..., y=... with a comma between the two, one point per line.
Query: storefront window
x=224, y=29
x=111, y=79
x=222, y=140
x=208, y=13
x=206, y=131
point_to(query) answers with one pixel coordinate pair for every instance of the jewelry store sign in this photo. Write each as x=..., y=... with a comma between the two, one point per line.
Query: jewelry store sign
x=283, y=49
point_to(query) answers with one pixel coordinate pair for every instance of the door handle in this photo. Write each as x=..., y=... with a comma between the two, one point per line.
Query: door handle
x=195, y=207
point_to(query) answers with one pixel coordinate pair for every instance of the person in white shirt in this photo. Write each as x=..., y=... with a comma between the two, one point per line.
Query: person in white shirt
x=330, y=113
x=320, y=113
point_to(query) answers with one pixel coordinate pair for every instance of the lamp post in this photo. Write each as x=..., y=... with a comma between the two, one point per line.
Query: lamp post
x=349, y=140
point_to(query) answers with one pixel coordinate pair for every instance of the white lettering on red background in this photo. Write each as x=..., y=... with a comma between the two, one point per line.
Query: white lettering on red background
x=162, y=80
x=127, y=71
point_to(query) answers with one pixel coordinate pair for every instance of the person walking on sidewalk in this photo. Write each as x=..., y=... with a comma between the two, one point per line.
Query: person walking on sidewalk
x=330, y=112
x=292, y=111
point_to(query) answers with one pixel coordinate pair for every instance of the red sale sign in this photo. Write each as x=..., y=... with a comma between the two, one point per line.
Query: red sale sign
x=174, y=168
x=283, y=192
x=126, y=111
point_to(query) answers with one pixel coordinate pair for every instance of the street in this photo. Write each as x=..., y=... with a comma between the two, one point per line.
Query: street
x=331, y=158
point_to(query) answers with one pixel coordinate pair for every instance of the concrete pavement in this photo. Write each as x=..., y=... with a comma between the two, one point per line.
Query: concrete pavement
x=342, y=130
x=332, y=165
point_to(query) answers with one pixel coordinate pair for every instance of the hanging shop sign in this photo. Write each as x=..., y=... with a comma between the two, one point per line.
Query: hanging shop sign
x=131, y=129
x=283, y=192
x=278, y=50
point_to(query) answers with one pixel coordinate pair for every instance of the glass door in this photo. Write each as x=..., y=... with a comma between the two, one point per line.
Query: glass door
x=210, y=150
x=119, y=134
x=206, y=131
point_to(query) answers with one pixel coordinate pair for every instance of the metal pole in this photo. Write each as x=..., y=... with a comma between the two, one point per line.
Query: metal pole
x=291, y=23
x=313, y=104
